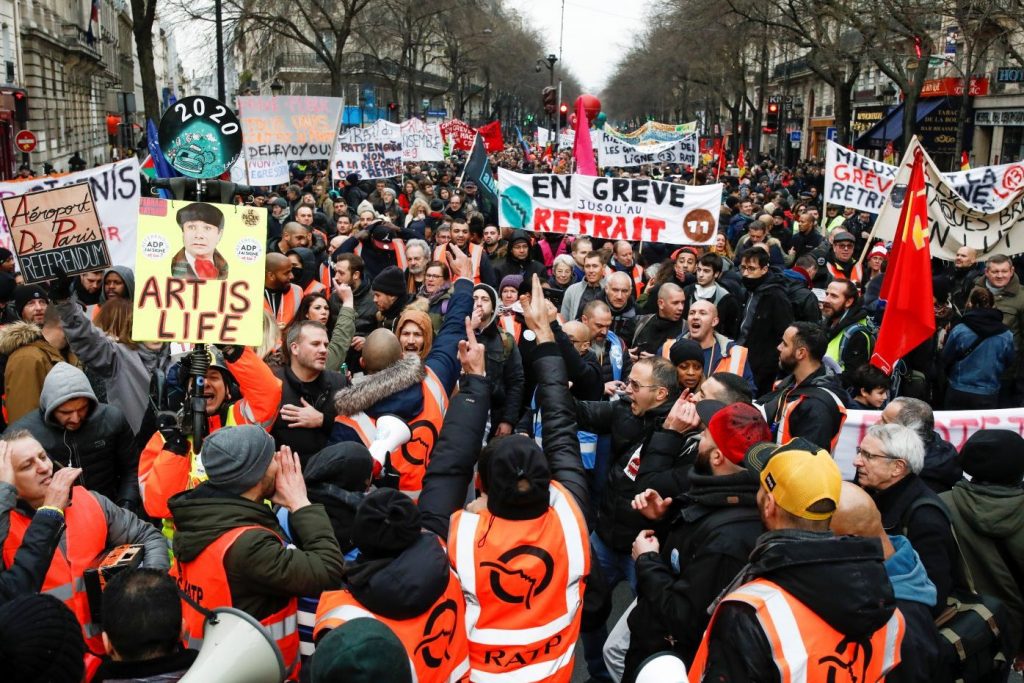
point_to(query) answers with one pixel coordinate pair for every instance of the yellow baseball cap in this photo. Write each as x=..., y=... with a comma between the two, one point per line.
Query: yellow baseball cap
x=798, y=474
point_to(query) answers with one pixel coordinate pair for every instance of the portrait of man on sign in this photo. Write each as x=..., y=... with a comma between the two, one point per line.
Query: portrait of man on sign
x=202, y=227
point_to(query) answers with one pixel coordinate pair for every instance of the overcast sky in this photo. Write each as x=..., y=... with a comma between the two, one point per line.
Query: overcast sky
x=597, y=33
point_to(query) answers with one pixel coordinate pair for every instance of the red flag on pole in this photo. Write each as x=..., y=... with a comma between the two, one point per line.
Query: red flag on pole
x=491, y=133
x=909, y=312
x=965, y=161
x=741, y=162
x=582, y=147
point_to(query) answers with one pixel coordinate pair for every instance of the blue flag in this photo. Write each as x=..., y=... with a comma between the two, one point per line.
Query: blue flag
x=522, y=142
x=160, y=165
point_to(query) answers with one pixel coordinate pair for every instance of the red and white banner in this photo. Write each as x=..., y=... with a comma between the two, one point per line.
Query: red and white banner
x=458, y=134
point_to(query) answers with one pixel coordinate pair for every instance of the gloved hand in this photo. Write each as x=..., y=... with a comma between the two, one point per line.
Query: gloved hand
x=60, y=287
x=174, y=440
x=230, y=352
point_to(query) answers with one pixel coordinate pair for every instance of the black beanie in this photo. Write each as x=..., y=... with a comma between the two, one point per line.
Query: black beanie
x=685, y=349
x=25, y=293
x=387, y=522
x=390, y=281
x=994, y=456
x=515, y=473
x=40, y=641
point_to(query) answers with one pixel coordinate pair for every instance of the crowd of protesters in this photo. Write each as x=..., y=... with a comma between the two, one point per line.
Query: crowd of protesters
x=659, y=416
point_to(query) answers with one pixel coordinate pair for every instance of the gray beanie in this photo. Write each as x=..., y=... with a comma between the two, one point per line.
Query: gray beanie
x=236, y=458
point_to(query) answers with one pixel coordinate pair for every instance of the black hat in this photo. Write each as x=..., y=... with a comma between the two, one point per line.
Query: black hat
x=199, y=211
x=515, y=473
x=352, y=178
x=685, y=349
x=436, y=205
x=380, y=232
x=779, y=213
x=5, y=255
x=347, y=464
x=994, y=456
x=518, y=236
x=390, y=281
x=387, y=522
x=40, y=641
x=25, y=293
x=469, y=184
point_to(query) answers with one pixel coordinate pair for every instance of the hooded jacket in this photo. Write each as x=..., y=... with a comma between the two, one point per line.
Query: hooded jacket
x=990, y=530
x=979, y=371
x=310, y=267
x=809, y=566
x=262, y=573
x=128, y=275
x=1010, y=302
x=915, y=596
x=805, y=304
x=817, y=418
x=103, y=446
x=504, y=368
x=338, y=478
x=767, y=315
x=29, y=358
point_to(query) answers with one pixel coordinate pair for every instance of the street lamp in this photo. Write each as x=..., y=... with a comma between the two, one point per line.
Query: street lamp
x=276, y=87
x=548, y=63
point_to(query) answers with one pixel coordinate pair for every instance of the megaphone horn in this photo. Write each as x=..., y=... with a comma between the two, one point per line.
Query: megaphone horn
x=236, y=649
x=391, y=432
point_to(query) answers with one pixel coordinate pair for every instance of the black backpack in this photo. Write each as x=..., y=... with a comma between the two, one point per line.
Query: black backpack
x=972, y=628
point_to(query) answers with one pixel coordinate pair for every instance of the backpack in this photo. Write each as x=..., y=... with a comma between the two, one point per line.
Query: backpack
x=972, y=628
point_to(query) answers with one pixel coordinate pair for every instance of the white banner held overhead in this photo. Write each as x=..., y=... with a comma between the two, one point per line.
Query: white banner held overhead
x=610, y=208
x=276, y=130
x=616, y=152
x=953, y=222
x=421, y=141
x=372, y=152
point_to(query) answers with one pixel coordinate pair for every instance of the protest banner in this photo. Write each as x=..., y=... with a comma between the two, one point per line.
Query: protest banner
x=566, y=138
x=115, y=192
x=478, y=169
x=372, y=152
x=955, y=426
x=616, y=152
x=855, y=180
x=199, y=273
x=421, y=141
x=653, y=132
x=55, y=231
x=276, y=130
x=458, y=134
x=953, y=221
x=610, y=208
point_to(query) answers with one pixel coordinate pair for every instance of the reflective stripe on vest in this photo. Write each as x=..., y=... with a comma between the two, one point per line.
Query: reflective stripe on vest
x=476, y=254
x=522, y=630
x=510, y=324
x=735, y=361
x=435, y=641
x=410, y=459
x=856, y=275
x=85, y=539
x=785, y=432
x=289, y=305
x=806, y=649
x=205, y=581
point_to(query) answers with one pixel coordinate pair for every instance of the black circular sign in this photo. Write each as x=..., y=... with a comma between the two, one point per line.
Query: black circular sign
x=200, y=137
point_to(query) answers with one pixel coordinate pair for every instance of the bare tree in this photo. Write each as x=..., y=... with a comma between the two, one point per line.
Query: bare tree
x=143, y=17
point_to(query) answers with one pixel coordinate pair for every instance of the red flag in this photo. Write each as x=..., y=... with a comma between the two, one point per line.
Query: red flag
x=582, y=147
x=491, y=133
x=965, y=161
x=721, y=162
x=909, y=312
x=741, y=162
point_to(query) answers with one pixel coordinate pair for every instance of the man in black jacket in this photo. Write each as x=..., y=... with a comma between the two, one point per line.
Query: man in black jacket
x=349, y=270
x=652, y=331
x=504, y=363
x=710, y=532
x=840, y=581
x=307, y=392
x=767, y=315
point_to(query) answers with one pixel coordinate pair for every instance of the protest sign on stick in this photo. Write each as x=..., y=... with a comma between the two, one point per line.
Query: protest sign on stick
x=277, y=130
x=56, y=231
x=373, y=152
x=200, y=273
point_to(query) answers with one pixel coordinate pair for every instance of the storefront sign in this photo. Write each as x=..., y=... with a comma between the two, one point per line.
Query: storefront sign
x=945, y=87
x=1009, y=74
x=865, y=117
x=999, y=117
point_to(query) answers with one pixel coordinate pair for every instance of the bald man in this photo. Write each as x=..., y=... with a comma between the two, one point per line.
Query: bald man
x=401, y=384
x=721, y=354
x=618, y=294
x=281, y=298
x=293, y=236
x=582, y=364
x=652, y=331
x=915, y=594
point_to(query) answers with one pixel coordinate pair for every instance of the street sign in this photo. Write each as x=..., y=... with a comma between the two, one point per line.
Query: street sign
x=425, y=103
x=26, y=141
x=831, y=133
x=795, y=144
x=795, y=136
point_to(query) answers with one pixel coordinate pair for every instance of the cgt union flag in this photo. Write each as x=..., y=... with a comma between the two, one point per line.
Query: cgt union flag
x=907, y=288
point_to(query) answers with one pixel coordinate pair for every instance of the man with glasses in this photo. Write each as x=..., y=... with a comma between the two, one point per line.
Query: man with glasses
x=888, y=462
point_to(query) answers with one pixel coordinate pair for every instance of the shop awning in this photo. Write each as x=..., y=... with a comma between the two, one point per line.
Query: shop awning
x=891, y=127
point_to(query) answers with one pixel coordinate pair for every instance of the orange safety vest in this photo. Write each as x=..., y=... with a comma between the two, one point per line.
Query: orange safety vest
x=397, y=246
x=524, y=583
x=636, y=274
x=784, y=432
x=85, y=539
x=410, y=459
x=511, y=324
x=804, y=646
x=435, y=640
x=733, y=362
x=855, y=276
x=289, y=305
x=476, y=255
x=205, y=581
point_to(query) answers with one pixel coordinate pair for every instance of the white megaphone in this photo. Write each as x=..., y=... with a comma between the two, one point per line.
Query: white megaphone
x=236, y=649
x=391, y=432
x=663, y=667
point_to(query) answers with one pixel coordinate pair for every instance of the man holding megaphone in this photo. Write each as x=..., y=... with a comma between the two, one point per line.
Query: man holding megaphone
x=228, y=545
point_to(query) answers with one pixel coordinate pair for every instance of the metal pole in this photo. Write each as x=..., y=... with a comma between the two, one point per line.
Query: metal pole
x=219, y=20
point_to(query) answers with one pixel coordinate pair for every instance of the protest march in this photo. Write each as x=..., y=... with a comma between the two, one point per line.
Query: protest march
x=320, y=386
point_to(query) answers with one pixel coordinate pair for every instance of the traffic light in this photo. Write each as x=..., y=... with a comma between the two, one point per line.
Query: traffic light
x=549, y=96
x=21, y=107
x=771, y=119
x=563, y=114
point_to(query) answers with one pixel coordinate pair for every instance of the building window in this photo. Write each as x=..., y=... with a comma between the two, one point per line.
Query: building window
x=1013, y=144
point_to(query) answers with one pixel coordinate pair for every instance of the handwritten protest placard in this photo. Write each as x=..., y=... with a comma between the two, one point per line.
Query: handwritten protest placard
x=458, y=134
x=199, y=273
x=421, y=141
x=610, y=208
x=276, y=130
x=373, y=152
x=56, y=230
x=115, y=191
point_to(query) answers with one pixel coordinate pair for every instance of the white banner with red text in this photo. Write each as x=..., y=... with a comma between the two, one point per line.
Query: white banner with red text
x=610, y=208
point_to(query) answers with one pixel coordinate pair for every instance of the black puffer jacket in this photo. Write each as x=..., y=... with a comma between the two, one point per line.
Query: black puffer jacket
x=320, y=394
x=842, y=579
x=817, y=417
x=706, y=545
x=767, y=315
x=618, y=523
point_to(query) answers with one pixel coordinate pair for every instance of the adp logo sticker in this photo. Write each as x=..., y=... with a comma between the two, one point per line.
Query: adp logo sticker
x=248, y=250
x=154, y=247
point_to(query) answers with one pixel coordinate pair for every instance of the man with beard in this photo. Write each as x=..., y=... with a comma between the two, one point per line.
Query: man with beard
x=851, y=335
x=707, y=288
x=652, y=331
x=806, y=403
x=494, y=246
x=711, y=530
x=784, y=610
x=612, y=352
x=281, y=298
x=618, y=294
x=807, y=237
x=517, y=261
x=390, y=296
x=767, y=315
x=417, y=252
x=504, y=363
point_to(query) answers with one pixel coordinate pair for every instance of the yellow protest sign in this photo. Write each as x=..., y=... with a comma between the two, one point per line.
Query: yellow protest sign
x=199, y=273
